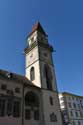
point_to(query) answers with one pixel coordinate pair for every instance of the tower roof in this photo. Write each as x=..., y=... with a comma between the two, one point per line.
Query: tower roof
x=37, y=27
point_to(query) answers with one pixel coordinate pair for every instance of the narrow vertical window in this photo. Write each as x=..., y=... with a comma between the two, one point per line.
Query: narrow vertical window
x=71, y=113
x=79, y=123
x=76, y=114
x=73, y=122
x=51, y=100
x=16, y=109
x=36, y=115
x=2, y=107
x=32, y=74
x=27, y=114
x=9, y=107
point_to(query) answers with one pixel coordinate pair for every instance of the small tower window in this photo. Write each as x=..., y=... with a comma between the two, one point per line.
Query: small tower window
x=32, y=74
x=51, y=100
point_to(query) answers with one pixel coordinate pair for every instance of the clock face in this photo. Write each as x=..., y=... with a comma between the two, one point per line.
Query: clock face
x=29, y=59
x=32, y=56
x=45, y=56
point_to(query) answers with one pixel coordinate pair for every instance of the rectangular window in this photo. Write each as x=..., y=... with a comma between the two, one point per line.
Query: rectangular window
x=16, y=109
x=27, y=114
x=74, y=123
x=74, y=105
x=81, y=114
x=3, y=86
x=71, y=113
x=9, y=107
x=2, y=107
x=76, y=114
x=51, y=100
x=79, y=123
x=10, y=92
x=36, y=115
x=69, y=105
x=69, y=98
x=79, y=106
x=17, y=90
x=73, y=98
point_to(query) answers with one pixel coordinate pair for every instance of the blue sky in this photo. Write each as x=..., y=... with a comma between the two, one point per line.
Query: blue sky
x=63, y=22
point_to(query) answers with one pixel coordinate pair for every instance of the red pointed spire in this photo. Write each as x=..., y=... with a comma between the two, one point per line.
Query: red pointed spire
x=37, y=27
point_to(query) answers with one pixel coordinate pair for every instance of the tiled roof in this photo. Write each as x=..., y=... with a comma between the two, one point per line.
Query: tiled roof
x=15, y=77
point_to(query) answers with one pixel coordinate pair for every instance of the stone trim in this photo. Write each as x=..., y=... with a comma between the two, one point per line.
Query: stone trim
x=37, y=43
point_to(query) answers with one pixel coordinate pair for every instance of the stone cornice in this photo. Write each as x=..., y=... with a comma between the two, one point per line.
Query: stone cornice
x=39, y=44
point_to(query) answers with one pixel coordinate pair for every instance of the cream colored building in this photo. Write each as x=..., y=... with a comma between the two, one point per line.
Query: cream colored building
x=72, y=108
x=31, y=99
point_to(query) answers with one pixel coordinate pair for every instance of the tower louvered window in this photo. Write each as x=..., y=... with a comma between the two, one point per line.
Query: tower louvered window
x=48, y=76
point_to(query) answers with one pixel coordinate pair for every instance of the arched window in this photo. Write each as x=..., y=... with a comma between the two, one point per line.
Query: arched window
x=48, y=75
x=31, y=99
x=32, y=74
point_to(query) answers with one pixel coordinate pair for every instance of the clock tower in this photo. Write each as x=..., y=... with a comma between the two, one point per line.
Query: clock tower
x=40, y=71
x=39, y=63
